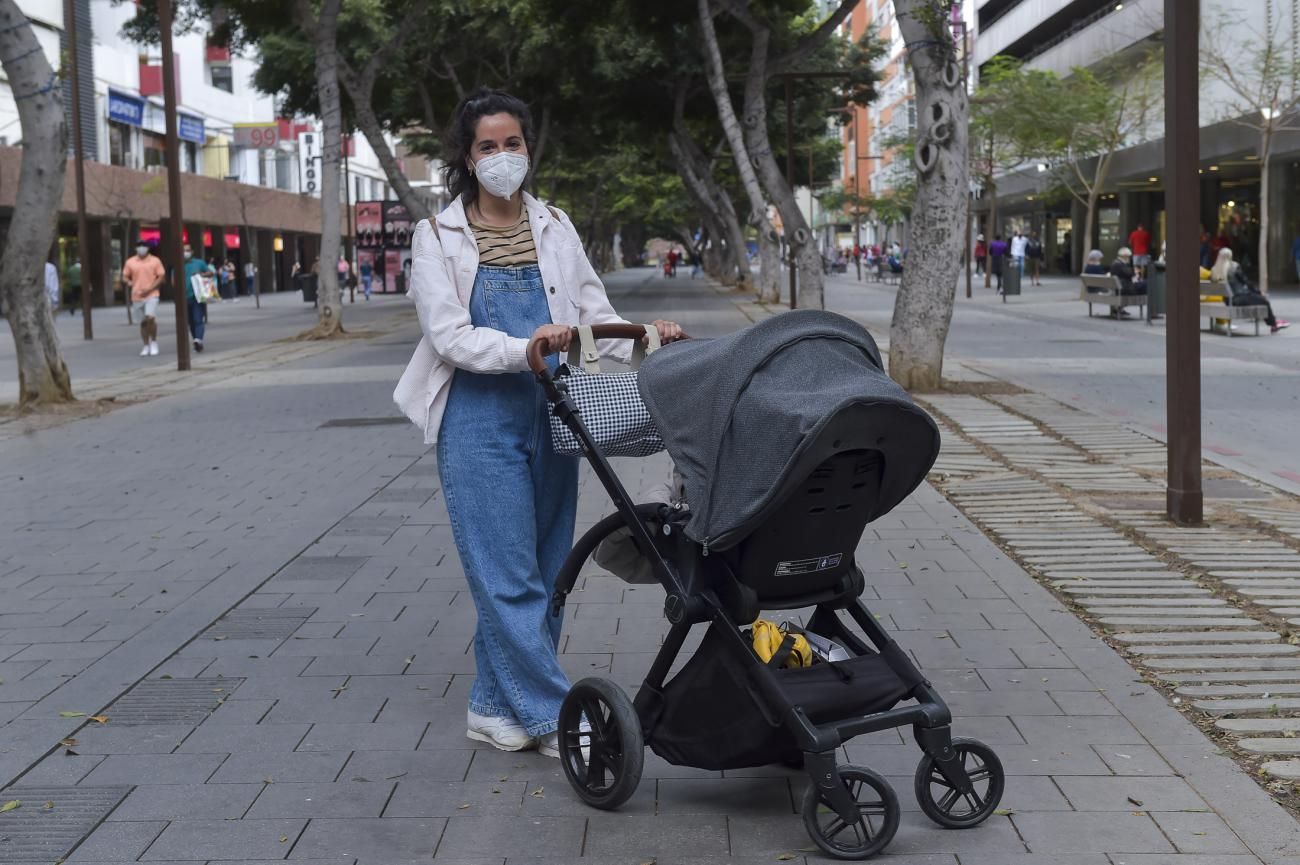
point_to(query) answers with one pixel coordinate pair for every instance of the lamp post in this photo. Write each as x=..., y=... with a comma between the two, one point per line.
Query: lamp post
x=1183, y=497
x=87, y=271
x=174, y=186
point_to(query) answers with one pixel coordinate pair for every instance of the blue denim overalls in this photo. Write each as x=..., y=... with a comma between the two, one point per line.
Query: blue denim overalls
x=512, y=503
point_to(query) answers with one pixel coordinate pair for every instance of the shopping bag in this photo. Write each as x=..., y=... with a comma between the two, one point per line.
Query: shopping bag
x=203, y=287
x=609, y=404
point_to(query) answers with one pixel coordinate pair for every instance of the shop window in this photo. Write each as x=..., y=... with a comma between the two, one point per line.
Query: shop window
x=155, y=151
x=222, y=77
x=284, y=170
x=119, y=145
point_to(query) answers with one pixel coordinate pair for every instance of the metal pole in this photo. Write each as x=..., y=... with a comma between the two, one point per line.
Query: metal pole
x=1184, y=499
x=857, y=191
x=970, y=204
x=350, y=249
x=789, y=178
x=174, y=186
x=87, y=272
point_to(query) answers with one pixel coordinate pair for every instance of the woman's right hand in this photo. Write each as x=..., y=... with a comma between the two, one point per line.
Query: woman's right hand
x=554, y=338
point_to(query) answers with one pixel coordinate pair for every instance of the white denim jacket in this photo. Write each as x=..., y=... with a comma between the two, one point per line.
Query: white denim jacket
x=444, y=263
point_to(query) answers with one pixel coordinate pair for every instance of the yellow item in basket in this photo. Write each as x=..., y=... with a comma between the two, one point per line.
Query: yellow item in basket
x=768, y=639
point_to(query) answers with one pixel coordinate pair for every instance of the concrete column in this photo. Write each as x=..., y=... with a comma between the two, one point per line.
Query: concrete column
x=266, y=261
x=1283, y=220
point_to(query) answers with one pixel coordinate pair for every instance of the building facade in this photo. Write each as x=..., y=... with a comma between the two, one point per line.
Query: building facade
x=873, y=164
x=1061, y=35
x=250, y=178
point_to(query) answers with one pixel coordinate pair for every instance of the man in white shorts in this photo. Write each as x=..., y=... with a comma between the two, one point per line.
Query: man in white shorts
x=145, y=273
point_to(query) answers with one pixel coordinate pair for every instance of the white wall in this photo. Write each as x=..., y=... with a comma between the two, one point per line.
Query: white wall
x=47, y=20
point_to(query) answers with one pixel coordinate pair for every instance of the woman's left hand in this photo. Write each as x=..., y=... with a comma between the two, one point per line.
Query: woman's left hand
x=668, y=331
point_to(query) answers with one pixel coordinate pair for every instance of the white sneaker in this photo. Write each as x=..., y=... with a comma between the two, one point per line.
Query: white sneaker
x=153, y=349
x=144, y=352
x=506, y=734
x=549, y=744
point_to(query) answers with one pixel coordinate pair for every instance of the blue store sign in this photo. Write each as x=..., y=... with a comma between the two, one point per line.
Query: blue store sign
x=126, y=109
x=191, y=128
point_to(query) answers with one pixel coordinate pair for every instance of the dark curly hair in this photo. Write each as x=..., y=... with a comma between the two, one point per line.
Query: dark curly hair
x=460, y=135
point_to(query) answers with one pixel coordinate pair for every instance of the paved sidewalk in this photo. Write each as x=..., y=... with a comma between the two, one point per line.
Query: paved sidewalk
x=263, y=599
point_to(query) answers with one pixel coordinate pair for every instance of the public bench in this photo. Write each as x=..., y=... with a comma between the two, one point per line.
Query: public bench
x=1215, y=310
x=1104, y=289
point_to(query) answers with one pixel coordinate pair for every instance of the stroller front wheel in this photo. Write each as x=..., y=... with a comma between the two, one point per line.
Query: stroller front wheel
x=877, y=822
x=945, y=804
x=600, y=743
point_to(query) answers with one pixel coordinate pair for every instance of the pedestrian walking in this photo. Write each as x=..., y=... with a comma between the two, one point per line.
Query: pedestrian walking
x=1295, y=256
x=997, y=257
x=1240, y=292
x=52, y=292
x=250, y=278
x=1139, y=240
x=512, y=500
x=672, y=263
x=1019, y=243
x=196, y=299
x=981, y=254
x=367, y=276
x=144, y=273
x=73, y=280
x=1034, y=258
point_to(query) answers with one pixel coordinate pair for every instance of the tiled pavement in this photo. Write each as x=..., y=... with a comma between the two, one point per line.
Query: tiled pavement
x=330, y=729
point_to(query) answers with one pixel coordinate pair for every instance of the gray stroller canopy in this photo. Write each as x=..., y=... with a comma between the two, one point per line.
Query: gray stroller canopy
x=736, y=412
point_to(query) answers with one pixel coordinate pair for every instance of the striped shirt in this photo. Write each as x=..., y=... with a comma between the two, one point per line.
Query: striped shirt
x=506, y=247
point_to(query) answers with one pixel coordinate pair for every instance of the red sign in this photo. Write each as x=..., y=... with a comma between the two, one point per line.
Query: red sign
x=257, y=136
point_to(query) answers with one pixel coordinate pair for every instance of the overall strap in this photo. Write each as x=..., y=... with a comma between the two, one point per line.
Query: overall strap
x=587, y=346
x=640, y=349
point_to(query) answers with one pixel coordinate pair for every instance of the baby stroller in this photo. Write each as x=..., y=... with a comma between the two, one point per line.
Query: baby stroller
x=784, y=466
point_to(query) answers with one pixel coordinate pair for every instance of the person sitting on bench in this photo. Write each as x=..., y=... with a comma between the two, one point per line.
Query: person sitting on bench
x=1094, y=265
x=1122, y=269
x=1240, y=291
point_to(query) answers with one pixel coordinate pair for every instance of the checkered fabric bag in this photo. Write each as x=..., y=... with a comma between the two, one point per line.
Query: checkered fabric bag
x=609, y=404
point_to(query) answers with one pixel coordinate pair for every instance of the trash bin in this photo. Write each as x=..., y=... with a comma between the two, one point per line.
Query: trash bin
x=1010, y=279
x=307, y=285
x=1156, y=292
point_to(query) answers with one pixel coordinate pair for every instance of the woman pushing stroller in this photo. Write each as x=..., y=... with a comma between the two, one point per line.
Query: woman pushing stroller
x=494, y=270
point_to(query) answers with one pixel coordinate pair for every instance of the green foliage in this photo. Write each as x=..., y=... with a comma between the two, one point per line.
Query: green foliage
x=601, y=77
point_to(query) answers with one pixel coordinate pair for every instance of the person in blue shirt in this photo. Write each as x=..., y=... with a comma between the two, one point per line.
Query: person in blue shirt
x=197, y=308
x=1295, y=255
x=367, y=276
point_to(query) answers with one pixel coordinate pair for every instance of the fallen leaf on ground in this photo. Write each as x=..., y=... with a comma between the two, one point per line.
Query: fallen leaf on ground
x=462, y=807
x=540, y=792
x=284, y=838
x=393, y=777
x=1005, y=812
x=10, y=805
x=785, y=857
x=48, y=806
x=68, y=742
x=1135, y=802
x=72, y=714
x=99, y=719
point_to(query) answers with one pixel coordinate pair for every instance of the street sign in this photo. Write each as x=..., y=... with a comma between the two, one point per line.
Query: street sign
x=309, y=147
x=258, y=136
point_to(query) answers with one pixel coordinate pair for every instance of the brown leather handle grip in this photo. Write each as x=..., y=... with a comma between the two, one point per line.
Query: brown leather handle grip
x=537, y=361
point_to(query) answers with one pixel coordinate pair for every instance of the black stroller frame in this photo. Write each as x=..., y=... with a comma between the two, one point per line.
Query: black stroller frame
x=602, y=734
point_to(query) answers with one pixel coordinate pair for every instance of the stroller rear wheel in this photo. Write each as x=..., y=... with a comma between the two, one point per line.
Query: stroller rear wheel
x=600, y=743
x=945, y=804
x=878, y=812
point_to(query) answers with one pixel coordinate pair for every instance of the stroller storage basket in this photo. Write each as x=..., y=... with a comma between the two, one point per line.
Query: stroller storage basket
x=714, y=717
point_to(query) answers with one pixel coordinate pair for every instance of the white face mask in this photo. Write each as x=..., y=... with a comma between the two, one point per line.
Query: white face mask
x=502, y=173
x=141, y=250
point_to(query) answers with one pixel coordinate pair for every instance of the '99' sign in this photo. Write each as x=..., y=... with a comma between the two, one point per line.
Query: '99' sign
x=259, y=136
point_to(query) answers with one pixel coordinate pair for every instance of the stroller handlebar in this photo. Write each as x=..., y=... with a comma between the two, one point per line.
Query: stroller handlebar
x=537, y=360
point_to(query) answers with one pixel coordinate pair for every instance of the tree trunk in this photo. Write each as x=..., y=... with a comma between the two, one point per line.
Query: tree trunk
x=42, y=374
x=693, y=166
x=1265, y=169
x=992, y=233
x=798, y=237
x=1089, y=221
x=923, y=306
x=769, y=257
x=360, y=91
x=1094, y=196
x=330, y=322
